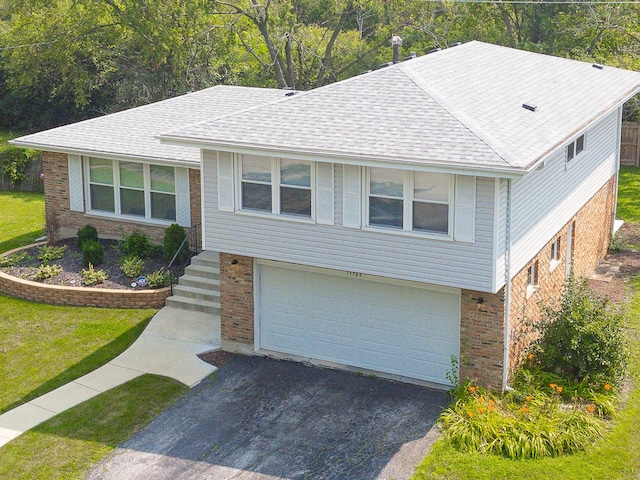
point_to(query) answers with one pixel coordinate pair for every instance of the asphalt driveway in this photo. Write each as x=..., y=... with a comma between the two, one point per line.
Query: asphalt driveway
x=267, y=419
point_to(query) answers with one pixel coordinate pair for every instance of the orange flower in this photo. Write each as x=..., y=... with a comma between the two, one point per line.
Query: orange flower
x=524, y=409
x=481, y=410
x=490, y=408
x=480, y=399
x=591, y=408
x=491, y=403
x=607, y=387
x=553, y=386
x=559, y=389
x=472, y=388
x=470, y=414
x=530, y=356
x=528, y=398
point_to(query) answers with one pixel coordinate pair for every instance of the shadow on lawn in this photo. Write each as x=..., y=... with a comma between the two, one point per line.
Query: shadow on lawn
x=21, y=240
x=86, y=365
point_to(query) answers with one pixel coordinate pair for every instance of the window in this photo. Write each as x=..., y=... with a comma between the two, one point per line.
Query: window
x=277, y=186
x=132, y=189
x=555, y=254
x=575, y=147
x=532, y=279
x=409, y=201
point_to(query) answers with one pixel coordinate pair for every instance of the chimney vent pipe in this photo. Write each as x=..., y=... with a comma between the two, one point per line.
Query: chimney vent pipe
x=396, y=41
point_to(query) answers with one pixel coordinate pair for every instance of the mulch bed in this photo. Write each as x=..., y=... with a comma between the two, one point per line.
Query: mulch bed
x=72, y=266
x=616, y=290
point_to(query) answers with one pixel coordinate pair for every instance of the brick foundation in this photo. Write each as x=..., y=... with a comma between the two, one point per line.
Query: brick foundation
x=236, y=302
x=57, y=205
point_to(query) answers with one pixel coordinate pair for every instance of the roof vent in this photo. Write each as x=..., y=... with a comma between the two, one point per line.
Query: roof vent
x=366, y=71
x=529, y=106
x=411, y=56
x=455, y=44
x=290, y=94
x=388, y=64
x=434, y=50
x=396, y=41
x=599, y=66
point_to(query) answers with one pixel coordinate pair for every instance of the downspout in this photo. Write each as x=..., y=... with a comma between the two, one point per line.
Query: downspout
x=618, y=147
x=507, y=291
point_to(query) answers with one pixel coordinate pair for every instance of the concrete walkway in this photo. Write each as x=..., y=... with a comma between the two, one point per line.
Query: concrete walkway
x=167, y=347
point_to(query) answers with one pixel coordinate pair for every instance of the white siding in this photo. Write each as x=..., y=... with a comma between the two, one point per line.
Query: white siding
x=546, y=199
x=405, y=257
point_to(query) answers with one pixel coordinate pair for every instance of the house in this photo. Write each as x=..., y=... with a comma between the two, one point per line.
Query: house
x=387, y=222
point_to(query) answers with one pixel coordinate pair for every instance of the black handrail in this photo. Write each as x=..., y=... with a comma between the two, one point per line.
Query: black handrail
x=190, y=246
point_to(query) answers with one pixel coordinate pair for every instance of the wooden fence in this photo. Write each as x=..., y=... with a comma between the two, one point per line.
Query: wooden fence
x=32, y=182
x=630, y=144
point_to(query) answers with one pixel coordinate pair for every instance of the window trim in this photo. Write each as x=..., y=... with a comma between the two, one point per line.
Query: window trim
x=555, y=259
x=407, y=207
x=571, y=149
x=116, y=186
x=533, y=271
x=275, y=191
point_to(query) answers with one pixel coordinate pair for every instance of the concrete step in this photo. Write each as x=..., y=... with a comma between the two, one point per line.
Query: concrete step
x=200, y=282
x=208, y=294
x=207, y=259
x=193, y=304
x=201, y=271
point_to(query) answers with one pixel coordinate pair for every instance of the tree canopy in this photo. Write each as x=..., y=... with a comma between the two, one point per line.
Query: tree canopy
x=65, y=60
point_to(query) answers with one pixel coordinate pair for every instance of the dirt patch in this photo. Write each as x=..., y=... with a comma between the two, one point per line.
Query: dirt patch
x=72, y=266
x=628, y=261
x=217, y=358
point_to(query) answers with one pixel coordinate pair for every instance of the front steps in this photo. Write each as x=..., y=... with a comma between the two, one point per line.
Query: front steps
x=199, y=288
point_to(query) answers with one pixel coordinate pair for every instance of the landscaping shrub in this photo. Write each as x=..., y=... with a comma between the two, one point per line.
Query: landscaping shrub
x=13, y=259
x=88, y=232
x=137, y=244
x=159, y=278
x=583, y=338
x=47, y=271
x=132, y=266
x=173, y=238
x=92, y=253
x=92, y=276
x=47, y=253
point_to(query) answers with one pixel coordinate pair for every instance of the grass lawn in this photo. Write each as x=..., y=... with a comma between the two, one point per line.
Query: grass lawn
x=70, y=444
x=22, y=219
x=628, y=208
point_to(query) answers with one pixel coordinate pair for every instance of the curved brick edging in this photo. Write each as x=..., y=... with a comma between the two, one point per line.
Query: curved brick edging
x=79, y=296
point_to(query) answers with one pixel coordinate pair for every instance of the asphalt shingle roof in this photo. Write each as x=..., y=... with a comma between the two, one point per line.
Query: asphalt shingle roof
x=457, y=107
x=133, y=133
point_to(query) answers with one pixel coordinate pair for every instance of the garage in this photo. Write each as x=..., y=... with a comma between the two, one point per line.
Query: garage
x=400, y=328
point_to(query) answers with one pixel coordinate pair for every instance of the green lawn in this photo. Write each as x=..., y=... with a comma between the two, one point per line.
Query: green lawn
x=43, y=347
x=628, y=208
x=22, y=219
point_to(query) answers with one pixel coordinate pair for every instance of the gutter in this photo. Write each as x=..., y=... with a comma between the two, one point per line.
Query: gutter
x=507, y=291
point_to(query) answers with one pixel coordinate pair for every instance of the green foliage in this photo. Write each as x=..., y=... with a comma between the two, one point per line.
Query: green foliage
x=519, y=425
x=92, y=253
x=137, y=243
x=174, y=235
x=88, y=232
x=47, y=271
x=14, y=161
x=160, y=278
x=48, y=253
x=583, y=338
x=91, y=276
x=13, y=259
x=618, y=242
x=132, y=266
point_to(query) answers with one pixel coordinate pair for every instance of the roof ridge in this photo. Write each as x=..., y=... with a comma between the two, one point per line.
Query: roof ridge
x=409, y=72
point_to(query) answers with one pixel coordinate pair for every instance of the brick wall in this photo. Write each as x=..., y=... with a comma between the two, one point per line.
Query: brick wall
x=80, y=296
x=56, y=196
x=236, y=299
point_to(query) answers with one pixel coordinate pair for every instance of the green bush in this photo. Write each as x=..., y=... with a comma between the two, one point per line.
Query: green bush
x=88, y=232
x=132, y=266
x=14, y=162
x=92, y=253
x=47, y=253
x=583, y=338
x=159, y=278
x=47, y=271
x=173, y=238
x=138, y=244
x=92, y=276
x=13, y=259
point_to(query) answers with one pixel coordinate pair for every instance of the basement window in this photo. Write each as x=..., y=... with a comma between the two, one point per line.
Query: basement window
x=532, y=279
x=555, y=254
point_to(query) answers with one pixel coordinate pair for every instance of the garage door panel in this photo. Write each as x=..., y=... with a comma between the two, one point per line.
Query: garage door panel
x=391, y=328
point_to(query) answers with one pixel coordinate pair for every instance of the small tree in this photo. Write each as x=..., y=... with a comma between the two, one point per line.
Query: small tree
x=174, y=235
x=88, y=232
x=583, y=337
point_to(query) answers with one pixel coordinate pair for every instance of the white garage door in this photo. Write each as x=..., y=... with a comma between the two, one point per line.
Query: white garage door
x=397, y=329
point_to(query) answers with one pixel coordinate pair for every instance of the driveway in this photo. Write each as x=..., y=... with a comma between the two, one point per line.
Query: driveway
x=266, y=419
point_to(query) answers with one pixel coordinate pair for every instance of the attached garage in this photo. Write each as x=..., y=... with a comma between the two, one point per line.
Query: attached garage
x=400, y=328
